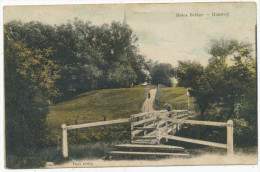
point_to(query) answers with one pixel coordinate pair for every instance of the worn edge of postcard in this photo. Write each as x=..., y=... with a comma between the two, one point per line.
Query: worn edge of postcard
x=143, y=164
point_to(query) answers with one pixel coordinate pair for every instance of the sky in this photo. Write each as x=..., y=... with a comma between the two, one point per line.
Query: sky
x=162, y=36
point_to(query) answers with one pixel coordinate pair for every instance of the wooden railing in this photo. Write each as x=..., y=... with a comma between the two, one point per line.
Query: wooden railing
x=161, y=123
x=157, y=125
x=64, y=127
x=228, y=124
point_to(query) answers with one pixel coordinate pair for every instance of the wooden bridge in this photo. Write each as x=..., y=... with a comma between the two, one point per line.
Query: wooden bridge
x=150, y=129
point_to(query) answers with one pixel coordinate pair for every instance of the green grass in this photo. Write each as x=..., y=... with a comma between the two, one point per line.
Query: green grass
x=94, y=105
x=98, y=150
x=176, y=97
x=213, y=150
x=91, y=107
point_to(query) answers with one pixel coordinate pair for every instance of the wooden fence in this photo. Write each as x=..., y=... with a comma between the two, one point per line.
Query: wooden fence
x=228, y=124
x=156, y=126
x=64, y=127
x=151, y=127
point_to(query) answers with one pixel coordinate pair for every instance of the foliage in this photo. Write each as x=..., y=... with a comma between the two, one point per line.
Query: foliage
x=122, y=75
x=161, y=74
x=16, y=162
x=221, y=49
x=224, y=91
x=30, y=75
x=188, y=73
x=97, y=57
x=89, y=57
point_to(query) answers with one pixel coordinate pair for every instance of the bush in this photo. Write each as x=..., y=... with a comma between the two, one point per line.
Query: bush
x=15, y=162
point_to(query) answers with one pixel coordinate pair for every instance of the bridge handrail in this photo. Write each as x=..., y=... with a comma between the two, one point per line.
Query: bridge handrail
x=143, y=121
x=147, y=113
x=228, y=124
x=211, y=123
x=100, y=123
x=163, y=114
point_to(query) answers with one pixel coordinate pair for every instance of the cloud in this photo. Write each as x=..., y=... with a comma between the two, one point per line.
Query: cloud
x=162, y=35
x=145, y=38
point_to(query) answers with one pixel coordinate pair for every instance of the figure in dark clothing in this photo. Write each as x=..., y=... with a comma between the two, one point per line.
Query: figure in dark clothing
x=168, y=107
x=149, y=95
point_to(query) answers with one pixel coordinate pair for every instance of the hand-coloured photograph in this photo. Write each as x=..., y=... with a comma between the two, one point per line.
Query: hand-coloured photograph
x=120, y=85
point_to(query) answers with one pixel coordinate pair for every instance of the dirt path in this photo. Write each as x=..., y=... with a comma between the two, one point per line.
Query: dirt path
x=148, y=104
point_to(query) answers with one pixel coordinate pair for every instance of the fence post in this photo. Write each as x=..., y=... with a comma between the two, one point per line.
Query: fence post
x=229, y=137
x=158, y=132
x=132, y=129
x=154, y=119
x=64, y=141
x=145, y=131
x=167, y=130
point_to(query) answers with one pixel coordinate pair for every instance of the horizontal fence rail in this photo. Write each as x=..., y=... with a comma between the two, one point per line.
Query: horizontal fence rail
x=218, y=124
x=156, y=124
x=65, y=128
x=148, y=113
x=207, y=143
x=228, y=124
x=95, y=124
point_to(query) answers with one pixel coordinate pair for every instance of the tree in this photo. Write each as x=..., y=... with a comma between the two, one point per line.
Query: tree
x=30, y=75
x=86, y=54
x=221, y=49
x=122, y=76
x=161, y=74
x=225, y=92
x=83, y=47
x=188, y=73
x=117, y=44
x=228, y=81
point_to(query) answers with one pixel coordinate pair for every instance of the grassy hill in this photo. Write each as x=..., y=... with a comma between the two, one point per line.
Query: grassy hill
x=94, y=105
x=91, y=107
x=176, y=97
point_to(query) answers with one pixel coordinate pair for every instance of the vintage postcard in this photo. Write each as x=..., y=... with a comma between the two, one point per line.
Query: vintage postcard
x=120, y=85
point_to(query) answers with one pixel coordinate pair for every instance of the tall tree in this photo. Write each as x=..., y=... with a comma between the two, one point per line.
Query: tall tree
x=188, y=73
x=161, y=74
x=30, y=75
x=222, y=91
